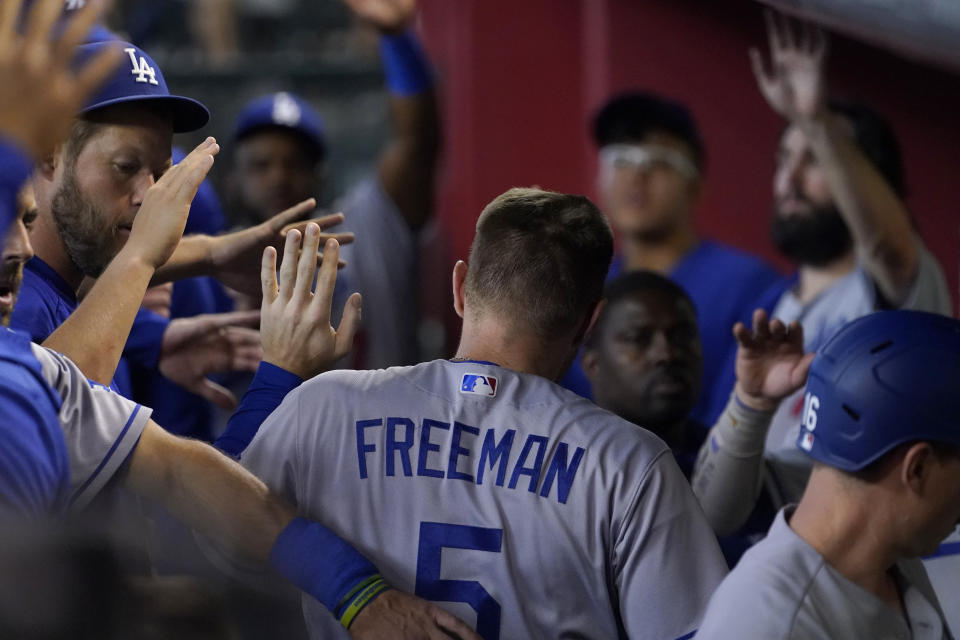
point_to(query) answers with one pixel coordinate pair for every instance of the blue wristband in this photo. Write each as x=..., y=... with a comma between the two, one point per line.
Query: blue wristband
x=269, y=387
x=405, y=64
x=15, y=168
x=319, y=562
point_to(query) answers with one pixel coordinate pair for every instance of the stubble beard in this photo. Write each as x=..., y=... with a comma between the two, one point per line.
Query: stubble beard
x=88, y=240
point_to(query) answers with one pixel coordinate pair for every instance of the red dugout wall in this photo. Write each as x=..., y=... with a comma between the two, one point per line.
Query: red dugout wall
x=520, y=80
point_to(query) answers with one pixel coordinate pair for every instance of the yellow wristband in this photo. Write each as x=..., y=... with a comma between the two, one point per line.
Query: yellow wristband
x=362, y=599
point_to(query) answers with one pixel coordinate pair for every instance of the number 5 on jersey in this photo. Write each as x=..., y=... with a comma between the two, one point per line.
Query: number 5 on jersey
x=434, y=536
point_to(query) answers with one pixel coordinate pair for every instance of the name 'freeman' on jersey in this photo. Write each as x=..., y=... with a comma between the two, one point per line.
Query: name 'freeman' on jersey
x=395, y=445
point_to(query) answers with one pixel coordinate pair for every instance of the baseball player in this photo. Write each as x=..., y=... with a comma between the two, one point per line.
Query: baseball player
x=106, y=432
x=34, y=470
x=479, y=483
x=651, y=164
x=839, y=215
x=279, y=145
x=881, y=423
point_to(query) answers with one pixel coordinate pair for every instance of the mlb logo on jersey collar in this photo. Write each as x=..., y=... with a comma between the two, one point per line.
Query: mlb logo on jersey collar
x=478, y=384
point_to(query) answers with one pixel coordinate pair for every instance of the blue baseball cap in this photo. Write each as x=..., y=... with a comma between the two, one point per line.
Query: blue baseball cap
x=285, y=111
x=138, y=79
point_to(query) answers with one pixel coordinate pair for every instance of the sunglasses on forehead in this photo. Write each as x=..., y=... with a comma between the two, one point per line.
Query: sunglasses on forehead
x=642, y=156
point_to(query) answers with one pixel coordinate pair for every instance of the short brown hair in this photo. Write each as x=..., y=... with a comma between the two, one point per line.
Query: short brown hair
x=83, y=129
x=539, y=258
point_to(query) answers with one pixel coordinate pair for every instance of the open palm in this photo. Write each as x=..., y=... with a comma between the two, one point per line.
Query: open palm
x=794, y=87
x=771, y=363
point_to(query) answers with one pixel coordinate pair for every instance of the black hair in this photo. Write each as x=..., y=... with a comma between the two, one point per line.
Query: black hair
x=632, y=284
x=636, y=114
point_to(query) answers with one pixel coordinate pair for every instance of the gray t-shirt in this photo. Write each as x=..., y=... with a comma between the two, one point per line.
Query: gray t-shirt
x=510, y=501
x=382, y=266
x=101, y=427
x=783, y=589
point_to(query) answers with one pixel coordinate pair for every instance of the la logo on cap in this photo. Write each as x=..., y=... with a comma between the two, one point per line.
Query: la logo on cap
x=141, y=69
x=286, y=111
x=75, y=4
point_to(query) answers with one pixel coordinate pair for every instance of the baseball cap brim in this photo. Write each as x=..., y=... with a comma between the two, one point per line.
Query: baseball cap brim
x=187, y=114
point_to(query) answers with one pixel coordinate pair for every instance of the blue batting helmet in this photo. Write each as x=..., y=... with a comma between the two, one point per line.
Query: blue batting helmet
x=884, y=379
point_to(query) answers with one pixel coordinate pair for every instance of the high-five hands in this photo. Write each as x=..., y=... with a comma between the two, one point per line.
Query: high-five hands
x=771, y=363
x=795, y=85
x=235, y=256
x=294, y=320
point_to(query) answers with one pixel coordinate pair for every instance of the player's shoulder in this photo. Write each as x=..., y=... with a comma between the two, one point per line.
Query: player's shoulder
x=763, y=594
x=478, y=388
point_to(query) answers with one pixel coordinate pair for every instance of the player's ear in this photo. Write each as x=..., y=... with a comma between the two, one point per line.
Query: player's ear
x=47, y=165
x=589, y=321
x=459, y=286
x=916, y=467
x=590, y=361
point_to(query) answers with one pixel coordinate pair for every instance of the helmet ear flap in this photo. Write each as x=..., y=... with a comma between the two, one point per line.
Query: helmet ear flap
x=883, y=379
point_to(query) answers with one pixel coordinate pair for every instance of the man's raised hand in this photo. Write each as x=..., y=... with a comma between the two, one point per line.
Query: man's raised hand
x=295, y=321
x=159, y=224
x=235, y=256
x=795, y=85
x=42, y=92
x=771, y=363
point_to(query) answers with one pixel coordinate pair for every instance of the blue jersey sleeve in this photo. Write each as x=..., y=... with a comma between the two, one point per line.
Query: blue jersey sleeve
x=270, y=386
x=146, y=338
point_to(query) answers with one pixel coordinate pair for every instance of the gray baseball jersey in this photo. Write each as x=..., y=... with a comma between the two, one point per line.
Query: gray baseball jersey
x=509, y=500
x=101, y=427
x=783, y=589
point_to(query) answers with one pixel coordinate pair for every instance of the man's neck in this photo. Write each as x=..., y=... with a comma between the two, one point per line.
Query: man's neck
x=48, y=246
x=493, y=342
x=658, y=252
x=848, y=531
x=816, y=280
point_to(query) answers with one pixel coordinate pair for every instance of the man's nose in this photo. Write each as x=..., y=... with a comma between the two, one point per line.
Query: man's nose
x=16, y=246
x=661, y=348
x=143, y=185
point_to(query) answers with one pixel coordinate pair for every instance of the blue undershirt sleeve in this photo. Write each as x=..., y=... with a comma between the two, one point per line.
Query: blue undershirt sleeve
x=270, y=386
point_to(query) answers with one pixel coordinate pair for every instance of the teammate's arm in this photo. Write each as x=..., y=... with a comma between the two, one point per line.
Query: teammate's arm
x=878, y=219
x=108, y=311
x=407, y=164
x=234, y=258
x=667, y=562
x=770, y=366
